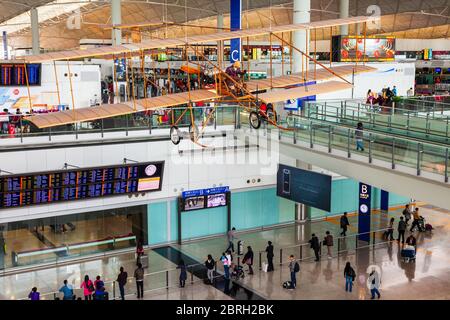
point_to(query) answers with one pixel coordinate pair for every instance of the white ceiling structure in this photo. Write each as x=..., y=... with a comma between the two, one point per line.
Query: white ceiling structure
x=402, y=18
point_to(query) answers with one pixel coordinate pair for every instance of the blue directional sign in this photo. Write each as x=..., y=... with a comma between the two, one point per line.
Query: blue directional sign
x=204, y=192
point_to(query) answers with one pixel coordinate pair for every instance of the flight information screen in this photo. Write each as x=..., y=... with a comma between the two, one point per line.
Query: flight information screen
x=83, y=183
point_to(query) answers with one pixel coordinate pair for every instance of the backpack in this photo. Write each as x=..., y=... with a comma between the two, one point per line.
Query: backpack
x=90, y=286
x=352, y=274
x=296, y=267
x=287, y=284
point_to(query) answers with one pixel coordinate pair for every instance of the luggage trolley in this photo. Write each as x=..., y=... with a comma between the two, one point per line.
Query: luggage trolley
x=408, y=254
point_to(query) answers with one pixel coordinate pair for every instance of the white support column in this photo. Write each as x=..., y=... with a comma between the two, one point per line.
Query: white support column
x=343, y=13
x=34, y=30
x=116, y=18
x=302, y=14
x=302, y=212
x=219, y=43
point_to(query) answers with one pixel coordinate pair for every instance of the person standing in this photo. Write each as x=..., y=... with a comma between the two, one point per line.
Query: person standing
x=359, y=134
x=401, y=230
x=411, y=241
x=98, y=283
x=350, y=276
x=209, y=264
x=67, y=291
x=183, y=273
x=416, y=220
x=122, y=281
x=139, y=251
x=231, y=237
x=34, y=294
x=139, y=276
x=248, y=259
x=328, y=241
x=226, y=265
x=294, y=267
x=88, y=288
x=344, y=223
x=375, y=284
x=315, y=245
x=269, y=251
x=410, y=92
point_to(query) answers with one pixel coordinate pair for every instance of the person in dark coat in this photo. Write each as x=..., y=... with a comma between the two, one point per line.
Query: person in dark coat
x=248, y=259
x=269, y=251
x=183, y=273
x=344, y=224
x=315, y=245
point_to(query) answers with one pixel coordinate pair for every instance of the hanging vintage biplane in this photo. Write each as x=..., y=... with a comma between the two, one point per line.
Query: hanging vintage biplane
x=252, y=93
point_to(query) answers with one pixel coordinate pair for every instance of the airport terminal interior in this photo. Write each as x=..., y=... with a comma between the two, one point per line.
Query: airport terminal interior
x=224, y=150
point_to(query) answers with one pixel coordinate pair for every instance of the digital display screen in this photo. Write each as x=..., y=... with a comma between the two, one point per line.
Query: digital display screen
x=194, y=203
x=216, y=200
x=83, y=183
x=374, y=49
x=303, y=186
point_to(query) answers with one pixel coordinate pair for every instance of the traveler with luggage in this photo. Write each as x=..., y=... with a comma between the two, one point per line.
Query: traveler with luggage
x=248, y=259
x=315, y=245
x=294, y=267
x=407, y=213
x=269, y=251
x=344, y=223
x=231, y=237
x=183, y=273
x=411, y=241
x=67, y=291
x=349, y=275
x=401, y=230
x=88, y=288
x=122, y=281
x=139, y=276
x=209, y=264
x=34, y=294
x=328, y=241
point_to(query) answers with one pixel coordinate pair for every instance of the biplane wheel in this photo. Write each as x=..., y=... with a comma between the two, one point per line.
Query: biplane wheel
x=254, y=120
x=175, y=136
x=271, y=113
x=193, y=132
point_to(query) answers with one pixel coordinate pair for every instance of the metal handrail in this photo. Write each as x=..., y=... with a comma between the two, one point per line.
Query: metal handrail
x=130, y=279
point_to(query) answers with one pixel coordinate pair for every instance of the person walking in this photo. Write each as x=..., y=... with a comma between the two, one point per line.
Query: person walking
x=269, y=252
x=183, y=273
x=294, y=267
x=226, y=265
x=67, y=291
x=209, y=264
x=139, y=276
x=401, y=230
x=248, y=259
x=328, y=241
x=359, y=134
x=349, y=275
x=122, y=281
x=231, y=237
x=139, y=251
x=88, y=288
x=315, y=245
x=407, y=213
x=390, y=231
x=344, y=223
x=34, y=294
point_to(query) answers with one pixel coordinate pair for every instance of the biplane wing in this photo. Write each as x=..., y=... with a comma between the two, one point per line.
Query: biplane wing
x=54, y=119
x=198, y=39
x=304, y=91
x=294, y=79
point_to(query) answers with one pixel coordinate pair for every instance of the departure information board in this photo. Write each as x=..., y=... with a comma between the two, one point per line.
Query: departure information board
x=83, y=183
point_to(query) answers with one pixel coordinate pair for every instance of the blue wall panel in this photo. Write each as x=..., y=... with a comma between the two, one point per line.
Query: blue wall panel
x=157, y=222
x=200, y=223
